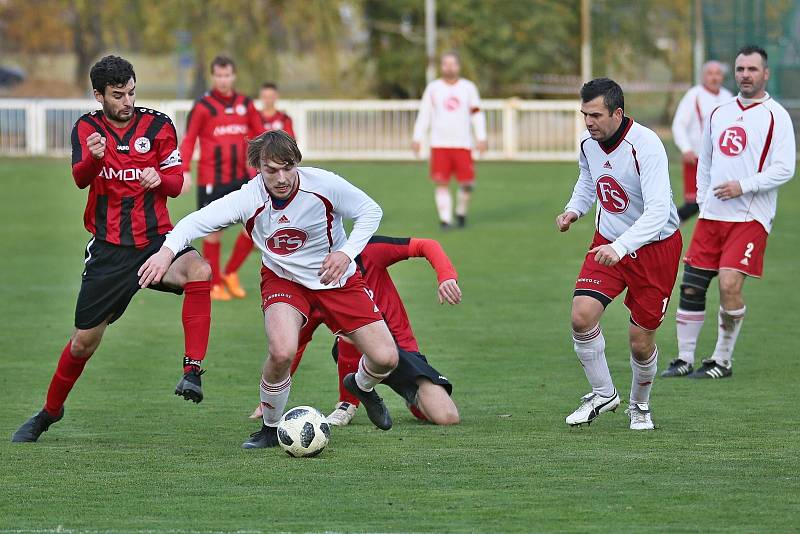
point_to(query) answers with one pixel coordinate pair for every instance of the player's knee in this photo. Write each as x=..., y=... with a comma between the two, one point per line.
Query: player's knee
x=582, y=319
x=448, y=416
x=83, y=344
x=467, y=188
x=199, y=270
x=641, y=349
x=694, y=287
x=385, y=357
x=729, y=286
x=282, y=356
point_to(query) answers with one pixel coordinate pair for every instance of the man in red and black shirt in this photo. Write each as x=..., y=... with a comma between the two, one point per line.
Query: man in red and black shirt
x=223, y=120
x=128, y=157
x=272, y=117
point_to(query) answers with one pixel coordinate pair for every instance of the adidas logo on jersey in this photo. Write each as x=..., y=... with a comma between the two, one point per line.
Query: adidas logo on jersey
x=745, y=261
x=607, y=165
x=283, y=220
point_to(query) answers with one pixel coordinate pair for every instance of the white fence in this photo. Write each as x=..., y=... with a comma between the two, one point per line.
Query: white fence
x=326, y=129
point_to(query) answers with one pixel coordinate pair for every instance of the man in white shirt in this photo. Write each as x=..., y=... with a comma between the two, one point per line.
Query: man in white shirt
x=687, y=127
x=637, y=245
x=449, y=106
x=294, y=216
x=748, y=151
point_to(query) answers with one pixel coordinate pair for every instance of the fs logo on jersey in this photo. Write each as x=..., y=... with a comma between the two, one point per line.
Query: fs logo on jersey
x=452, y=103
x=733, y=141
x=611, y=195
x=286, y=241
x=142, y=145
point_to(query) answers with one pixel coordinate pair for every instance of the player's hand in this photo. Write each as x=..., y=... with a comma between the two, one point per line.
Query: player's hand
x=187, y=182
x=728, y=190
x=482, y=146
x=690, y=157
x=564, y=220
x=155, y=267
x=96, y=144
x=333, y=267
x=416, y=147
x=149, y=179
x=605, y=255
x=258, y=413
x=449, y=292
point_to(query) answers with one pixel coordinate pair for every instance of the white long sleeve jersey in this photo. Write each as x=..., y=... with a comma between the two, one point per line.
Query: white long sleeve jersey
x=630, y=183
x=448, y=110
x=752, y=144
x=692, y=113
x=295, y=239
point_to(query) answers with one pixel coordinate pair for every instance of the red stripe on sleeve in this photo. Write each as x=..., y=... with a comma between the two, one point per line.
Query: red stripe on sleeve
x=767, y=143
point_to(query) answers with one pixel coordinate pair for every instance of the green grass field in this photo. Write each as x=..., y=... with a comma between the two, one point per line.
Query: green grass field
x=130, y=456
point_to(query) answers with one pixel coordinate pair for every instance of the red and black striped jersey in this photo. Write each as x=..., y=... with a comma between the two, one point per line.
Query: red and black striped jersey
x=278, y=121
x=119, y=210
x=223, y=124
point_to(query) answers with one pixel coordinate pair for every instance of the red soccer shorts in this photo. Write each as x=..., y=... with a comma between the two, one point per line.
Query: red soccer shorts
x=343, y=309
x=728, y=245
x=446, y=162
x=689, y=182
x=649, y=274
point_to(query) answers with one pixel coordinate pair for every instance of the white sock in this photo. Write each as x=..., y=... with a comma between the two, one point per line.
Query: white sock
x=590, y=347
x=366, y=378
x=689, y=324
x=730, y=322
x=444, y=204
x=643, y=375
x=462, y=202
x=273, y=399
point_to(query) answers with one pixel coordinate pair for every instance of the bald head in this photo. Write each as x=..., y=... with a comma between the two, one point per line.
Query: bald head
x=450, y=66
x=713, y=75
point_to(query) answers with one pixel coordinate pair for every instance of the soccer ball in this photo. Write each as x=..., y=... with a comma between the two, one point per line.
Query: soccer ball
x=303, y=432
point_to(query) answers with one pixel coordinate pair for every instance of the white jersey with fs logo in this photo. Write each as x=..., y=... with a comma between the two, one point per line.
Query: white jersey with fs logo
x=753, y=144
x=692, y=114
x=293, y=239
x=448, y=110
x=630, y=182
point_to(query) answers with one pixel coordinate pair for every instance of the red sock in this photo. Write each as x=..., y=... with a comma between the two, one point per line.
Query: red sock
x=211, y=254
x=196, y=316
x=241, y=249
x=349, y=356
x=67, y=372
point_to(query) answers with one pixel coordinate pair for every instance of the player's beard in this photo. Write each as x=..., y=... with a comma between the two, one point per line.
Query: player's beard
x=122, y=115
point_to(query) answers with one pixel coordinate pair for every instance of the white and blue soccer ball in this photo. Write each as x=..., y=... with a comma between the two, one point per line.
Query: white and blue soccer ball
x=303, y=432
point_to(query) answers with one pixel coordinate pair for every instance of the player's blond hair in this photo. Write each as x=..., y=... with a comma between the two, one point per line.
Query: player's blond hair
x=276, y=146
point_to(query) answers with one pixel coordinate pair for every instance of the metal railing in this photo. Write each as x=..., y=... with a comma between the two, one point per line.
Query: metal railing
x=326, y=129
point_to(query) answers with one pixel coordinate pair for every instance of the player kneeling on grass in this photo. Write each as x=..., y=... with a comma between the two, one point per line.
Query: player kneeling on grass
x=425, y=390
x=294, y=215
x=637, y=246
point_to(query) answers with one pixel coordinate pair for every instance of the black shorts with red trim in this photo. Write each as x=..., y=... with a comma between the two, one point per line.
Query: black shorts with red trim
x=111, y=279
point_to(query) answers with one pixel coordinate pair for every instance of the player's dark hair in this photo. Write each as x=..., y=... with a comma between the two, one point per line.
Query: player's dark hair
x=753, y=49
x=275, y=145
x=111, y=70
x=222, y=62
x=269, y=85
x=608, y=89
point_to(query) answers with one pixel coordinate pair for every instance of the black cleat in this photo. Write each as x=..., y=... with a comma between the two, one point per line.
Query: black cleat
x=711, y=369
x=677, y=367
x=264, y=438
x=373, y=403
x=445, y=227
x=31, y=429
x=461, y=220
x=189, y=387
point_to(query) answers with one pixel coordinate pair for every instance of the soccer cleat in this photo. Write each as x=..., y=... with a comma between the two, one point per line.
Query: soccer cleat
x=373, y=403
x=218, y=292
x=712, y=369
x=189, y=387
x=33, y=427
x=235, y=289
x=343, y=414
x=591, y=406
x=639, y=412
x=461, y=220
x=264, y=438
x=445, y=226
x=677, y=367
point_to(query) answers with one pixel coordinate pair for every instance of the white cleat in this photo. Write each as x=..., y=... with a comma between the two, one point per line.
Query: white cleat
x=343, y=414
x=639, y=413
x=591, y=406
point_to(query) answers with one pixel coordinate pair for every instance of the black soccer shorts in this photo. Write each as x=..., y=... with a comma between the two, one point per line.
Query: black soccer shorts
x=110, y=280
x=206, y=194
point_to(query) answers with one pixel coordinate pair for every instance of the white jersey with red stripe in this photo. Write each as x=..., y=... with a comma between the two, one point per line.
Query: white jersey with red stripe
x=630, y=183
x=753, y=144
x=448, y=110
x=692, y=113
x=295, y=238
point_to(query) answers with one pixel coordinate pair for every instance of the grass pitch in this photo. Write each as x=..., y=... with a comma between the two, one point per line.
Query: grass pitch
x=130, y=456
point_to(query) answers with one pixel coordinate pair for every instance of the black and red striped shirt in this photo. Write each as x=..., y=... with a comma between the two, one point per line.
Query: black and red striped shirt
x=119, y=210
x=223, y=124
x=279, y=120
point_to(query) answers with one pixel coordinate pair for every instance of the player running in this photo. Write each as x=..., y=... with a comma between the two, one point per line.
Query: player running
x=294, y=215
x=128, y=157
x=687, y=128
x=223, y=120
x=425, y=390
x=448, y=107
x=748, y=151
x=637, y=246
x=271, y=116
